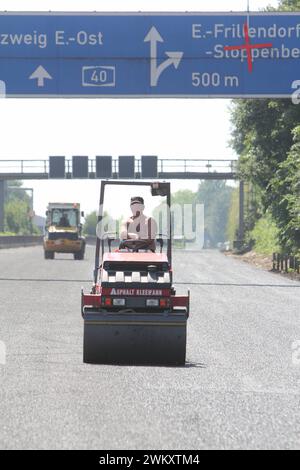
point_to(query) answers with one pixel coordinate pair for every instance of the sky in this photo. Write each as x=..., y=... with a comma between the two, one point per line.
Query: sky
x=168, y=128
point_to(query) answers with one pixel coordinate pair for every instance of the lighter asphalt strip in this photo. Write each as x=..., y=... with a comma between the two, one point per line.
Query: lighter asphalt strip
x=239, y=389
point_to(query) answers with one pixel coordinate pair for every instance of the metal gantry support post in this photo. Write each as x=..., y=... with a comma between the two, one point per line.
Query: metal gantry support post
x=2, y=201
x=238, y=244
x=241, y=211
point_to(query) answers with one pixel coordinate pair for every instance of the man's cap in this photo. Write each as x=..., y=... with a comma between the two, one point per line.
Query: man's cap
x=136, y=200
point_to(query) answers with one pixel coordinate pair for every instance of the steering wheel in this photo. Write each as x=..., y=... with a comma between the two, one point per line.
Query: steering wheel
x=135, y=245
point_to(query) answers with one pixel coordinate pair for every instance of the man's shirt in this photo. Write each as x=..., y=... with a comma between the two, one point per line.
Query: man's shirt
x=145, y=227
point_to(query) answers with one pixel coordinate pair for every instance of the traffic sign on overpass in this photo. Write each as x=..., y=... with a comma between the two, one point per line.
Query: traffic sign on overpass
x=150, y=54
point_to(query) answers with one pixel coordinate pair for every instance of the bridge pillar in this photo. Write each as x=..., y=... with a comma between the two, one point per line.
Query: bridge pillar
x=2, y=200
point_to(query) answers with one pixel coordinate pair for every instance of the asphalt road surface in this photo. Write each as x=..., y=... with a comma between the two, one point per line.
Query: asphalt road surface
x=239, y=389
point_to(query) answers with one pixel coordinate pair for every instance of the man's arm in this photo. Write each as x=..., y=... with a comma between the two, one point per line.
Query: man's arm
x=124, y=234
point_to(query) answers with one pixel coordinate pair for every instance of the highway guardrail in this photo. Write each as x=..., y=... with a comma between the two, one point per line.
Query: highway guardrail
x=15, y=241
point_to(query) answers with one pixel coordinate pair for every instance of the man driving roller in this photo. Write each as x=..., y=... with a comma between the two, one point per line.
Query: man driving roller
x=139, y=226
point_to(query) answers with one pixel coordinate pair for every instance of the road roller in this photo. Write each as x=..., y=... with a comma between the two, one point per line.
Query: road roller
x=133, y=315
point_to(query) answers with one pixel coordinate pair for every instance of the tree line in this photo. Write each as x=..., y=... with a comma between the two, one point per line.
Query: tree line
x=266, y=136
x=17, y=211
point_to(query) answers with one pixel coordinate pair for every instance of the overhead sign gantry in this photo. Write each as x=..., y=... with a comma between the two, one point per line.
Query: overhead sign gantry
x=149, y=54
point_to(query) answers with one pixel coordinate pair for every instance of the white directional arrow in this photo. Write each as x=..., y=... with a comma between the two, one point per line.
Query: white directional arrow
x=40, y=74
x=153, y=37
x=174, y=58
